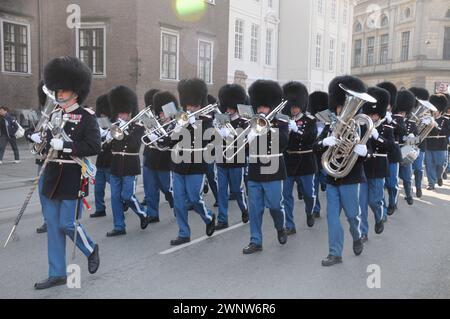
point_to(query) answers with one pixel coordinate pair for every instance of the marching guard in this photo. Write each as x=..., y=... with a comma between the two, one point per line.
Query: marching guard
x=157, y=162
x=301, y=162
x=377, y=165
x=126, y=164
x=230, y=173
x=343, y=193
x=436, y=143
x=70, y=79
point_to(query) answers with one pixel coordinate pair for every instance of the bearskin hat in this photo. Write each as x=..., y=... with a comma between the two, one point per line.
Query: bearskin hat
x=420, y=93
x=265, y=93
x=102, y=106
x=405, y=101
x=439, y=101
x=148, y=97
x=337, y=96
x=448, y=99
x=193, y=92
x=296, y=94
x=383, y=99
x=162, y=98
x=123, y=100
x=231, y=95
x=392, y=89
x=68, y=73
x=41, y=95
x=317, y=102
x=211, y=99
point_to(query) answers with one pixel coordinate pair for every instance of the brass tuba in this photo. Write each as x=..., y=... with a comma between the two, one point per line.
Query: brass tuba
x=340, y=159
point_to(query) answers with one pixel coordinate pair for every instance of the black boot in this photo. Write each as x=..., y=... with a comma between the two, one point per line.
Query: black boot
x=221, y=226
x=211, y=227
x=291, y=231
x=310, y=220
x=179, y=241
x=440, y=182
x=245, y=217
x=391, y=210
x=115, y=233
x=418, y=192
x=98, y=214
x=410, y=201
x=316, y=215
x=331, y=261
x=153, y=220
x=94, y=261
x=282, y=236
x=144, y=221
x=42, y=229
x=251, y=249
x=50, y=282
x=358, y=247
x=379, y=227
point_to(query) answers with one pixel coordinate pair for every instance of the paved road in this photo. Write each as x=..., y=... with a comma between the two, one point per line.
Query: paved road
x=413, y=255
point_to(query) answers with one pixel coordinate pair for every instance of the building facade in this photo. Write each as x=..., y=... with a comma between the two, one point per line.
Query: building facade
x=315, y=41
x=404, y=41
x=253, y=41
x=142, y=44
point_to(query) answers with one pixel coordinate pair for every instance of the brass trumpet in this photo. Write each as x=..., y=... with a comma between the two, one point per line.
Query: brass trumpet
x=118, y=132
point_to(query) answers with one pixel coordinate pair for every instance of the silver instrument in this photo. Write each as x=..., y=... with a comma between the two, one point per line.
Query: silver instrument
x=118, y=131
x=259, y=124
x=340, y=159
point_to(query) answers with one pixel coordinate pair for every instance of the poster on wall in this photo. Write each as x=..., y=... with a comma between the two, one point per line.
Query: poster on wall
x=441, y=87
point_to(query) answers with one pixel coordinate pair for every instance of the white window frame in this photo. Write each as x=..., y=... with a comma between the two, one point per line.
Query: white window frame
x=343, y=57
x=92, y=25
x=270, y=50
x=254, y=55
x=332, y=55
x=2, y=20
x=318, y=51
x=212, y=59
x=242, y=34
x=173, y=33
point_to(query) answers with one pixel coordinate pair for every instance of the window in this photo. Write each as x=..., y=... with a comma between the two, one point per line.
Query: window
x=384, y=48
x=320, y=7
x=370, y=50
x=405, y=46
x=169, y=55
x=269, y=45
x=331, y=56
x=238, y=39
x=205, y=61
x=16, y=47
x=358, y=27
x=254, y=43
x=91, y=47
x=407, y=13
x=447, y=44
x=318, y=50
x=333, y=9
x=343, y=57
x=384, y=21
x=358, y=53
x=345, y=12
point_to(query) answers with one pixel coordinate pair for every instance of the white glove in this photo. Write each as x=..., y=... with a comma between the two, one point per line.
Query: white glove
x=103, y=133
x=389, y=117
x=36, y=137
x=153, y=138
x=57, y=144
x=109, y=137
x=224, y=132
x=251, y=136
x=192, y=120
x=361, y=150
x=293, y=126
x=330, y=141
x=426, y=121
x=375, y=134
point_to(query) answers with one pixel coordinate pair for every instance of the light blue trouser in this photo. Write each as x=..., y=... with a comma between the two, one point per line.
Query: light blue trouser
x=344, y=197
x=435, y=165
x=319, y=178
x=122, y=192
x=60, y=217
x=260, y=195
x=102, y=177
x=405, y=173
x=41, y=195
x=189, y=189
x=391, y=183
x=154, y=183
x=417, y=167
x=371, y=195
x=212, y=179
x=234, y=178
x=307, y=186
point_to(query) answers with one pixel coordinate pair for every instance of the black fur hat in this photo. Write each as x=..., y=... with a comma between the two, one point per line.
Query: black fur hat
x=162, y=98
x=41, y=95
x=439, y=101
x=68, y=73
x=296, y=94
x=193, y=92
x=392, y=89
x=448, y=99
x=123, y=100
x=383, y=99
x=420, y=93
x=337, y=96
x=318, y=102
x=102, y=106
x=265, y=93
x=405, y=101
x=148, y=97
x=211, y=99
x=231, y=95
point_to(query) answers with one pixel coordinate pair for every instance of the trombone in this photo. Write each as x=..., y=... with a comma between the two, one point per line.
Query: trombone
x=181, y=120
x=118, y=132
x=259, y=124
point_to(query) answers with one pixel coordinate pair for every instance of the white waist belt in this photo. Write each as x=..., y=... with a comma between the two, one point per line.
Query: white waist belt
x=436, y=136
x=191, y=149
x=125, y=154
x=62, y=161
x=266, y=155
x=300, y=152
x=380, y=155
